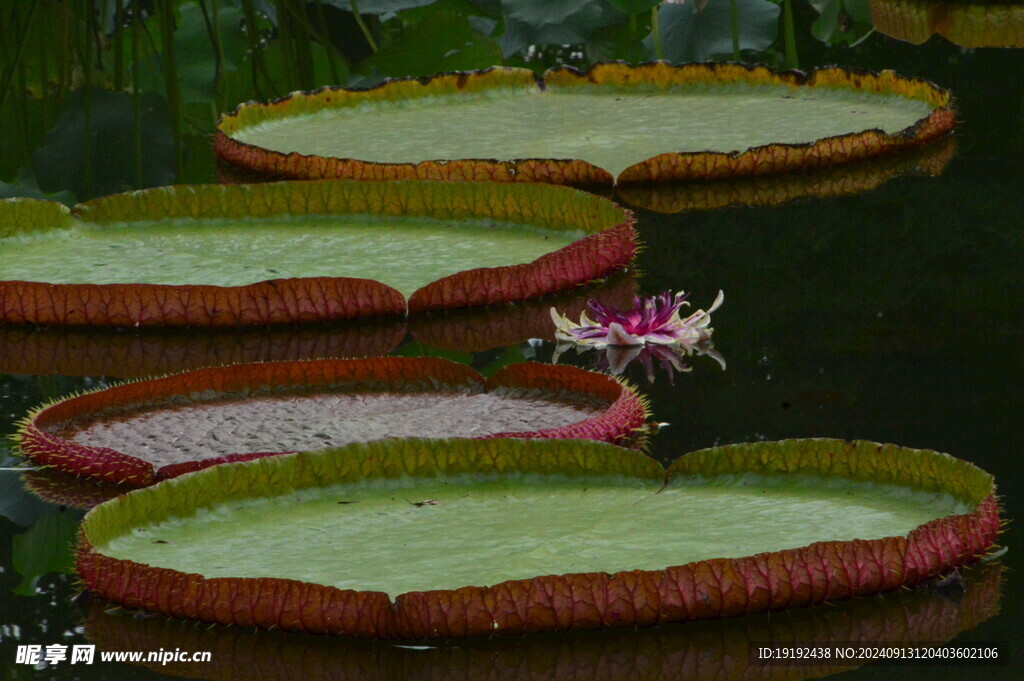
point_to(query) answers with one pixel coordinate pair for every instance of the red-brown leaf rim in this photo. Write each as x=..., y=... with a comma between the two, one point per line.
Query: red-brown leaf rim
x=760, y=160
x=154, y=352
x=38, y=437
x=609, y=245
x=473, y=330
x=693, y=652
x=823, y=571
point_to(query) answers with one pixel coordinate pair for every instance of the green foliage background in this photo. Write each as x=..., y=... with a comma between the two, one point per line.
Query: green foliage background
x=102, y=96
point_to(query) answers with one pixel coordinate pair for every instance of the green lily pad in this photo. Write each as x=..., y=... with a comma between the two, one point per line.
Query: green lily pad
x=408, y=252
x=286, y=253
x=399, y=538
x=636, y=124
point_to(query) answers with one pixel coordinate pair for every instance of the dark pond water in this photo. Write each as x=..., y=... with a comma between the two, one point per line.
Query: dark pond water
x=893, y=314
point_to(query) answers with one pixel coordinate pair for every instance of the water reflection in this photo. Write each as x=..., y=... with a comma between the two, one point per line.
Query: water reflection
x=774, y=190
x=671, y=359
x=131, y=353
x=69, y=490
x=699, y=650
x=978, y=23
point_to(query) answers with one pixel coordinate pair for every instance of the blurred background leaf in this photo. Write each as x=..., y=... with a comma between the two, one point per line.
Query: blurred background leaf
x=91, y=161
x=100, y=96
x=47, y=546
x=539, y=22
x=634, y=6
x=25, y=185
x=842, y=21
x=692, y=34
x=439, y=41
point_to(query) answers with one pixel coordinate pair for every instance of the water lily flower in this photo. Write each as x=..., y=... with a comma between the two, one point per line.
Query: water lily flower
x=651, y=321
x=653, y=330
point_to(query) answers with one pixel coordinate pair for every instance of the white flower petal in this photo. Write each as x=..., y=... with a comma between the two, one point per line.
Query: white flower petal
x=618, y=358
x=618, y=336
x=719, y=299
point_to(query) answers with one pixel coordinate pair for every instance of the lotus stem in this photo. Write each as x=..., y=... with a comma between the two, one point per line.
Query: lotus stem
x=790, y=35
x=166, y=9
x=44, y=79
x=735, y=28
x=62, y=53
x=218, y=52
x=136, y=100
x=284, y=37
x=324, y=37
x=85, y=55
x=291, y=17
x=362, y=26
x=13, y=67
x=656, y=33
x=29, y=122
x=118, y=46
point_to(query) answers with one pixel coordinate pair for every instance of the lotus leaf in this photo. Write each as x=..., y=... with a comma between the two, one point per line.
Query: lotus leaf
x=614, y=123
x=298, y=252
x=141, y=432
x=451, y=538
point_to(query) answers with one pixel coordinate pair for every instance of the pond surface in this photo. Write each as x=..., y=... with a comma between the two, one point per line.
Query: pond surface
x=892, y=315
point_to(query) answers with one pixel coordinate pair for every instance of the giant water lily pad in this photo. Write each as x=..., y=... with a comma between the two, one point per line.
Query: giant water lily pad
x=977, y=23
x=437, y=538
x=141, y=432
x=722, y=649
x=614, y=123
x=298, y=252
